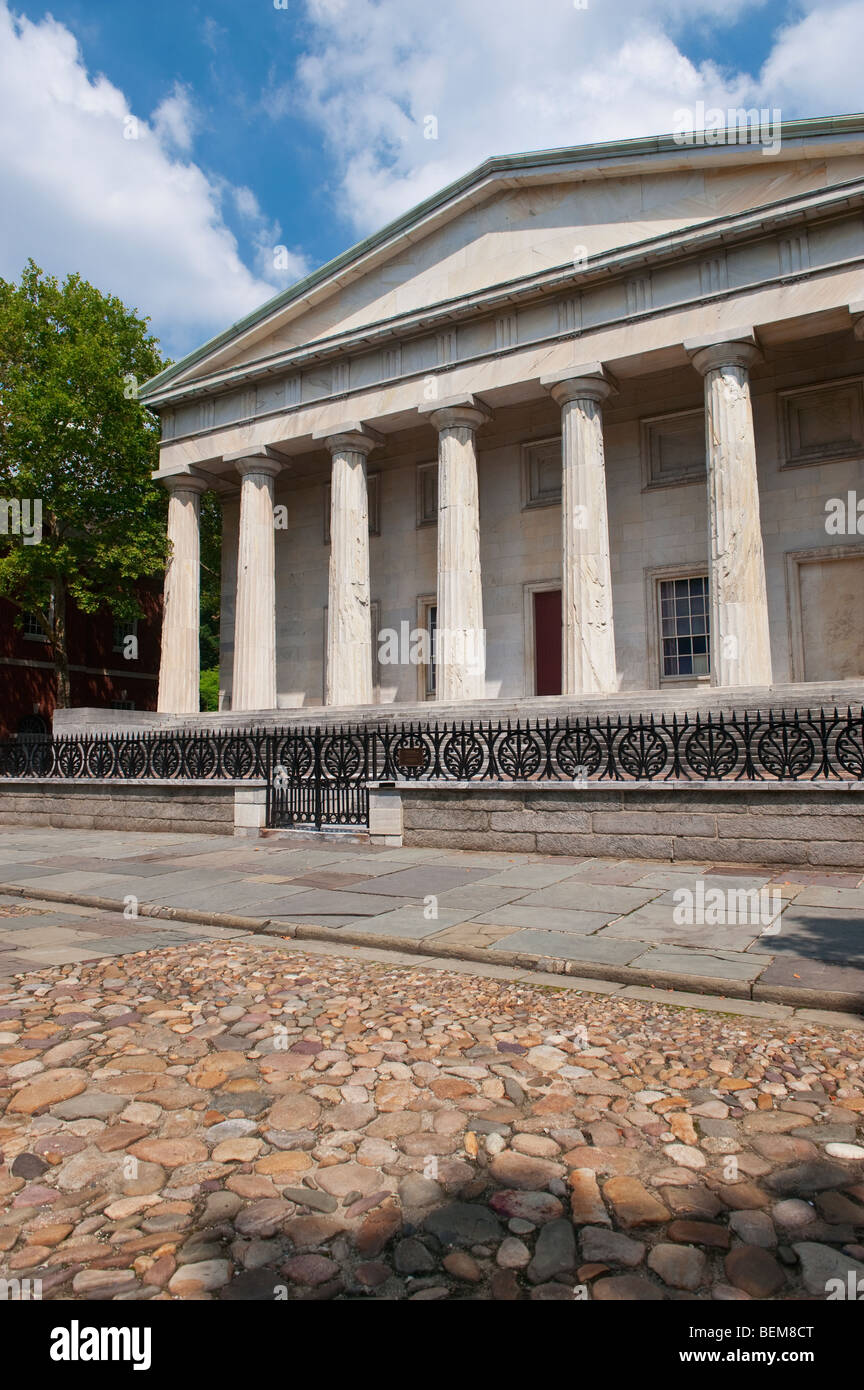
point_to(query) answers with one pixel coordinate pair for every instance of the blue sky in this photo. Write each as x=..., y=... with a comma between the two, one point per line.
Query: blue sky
x=305, y=126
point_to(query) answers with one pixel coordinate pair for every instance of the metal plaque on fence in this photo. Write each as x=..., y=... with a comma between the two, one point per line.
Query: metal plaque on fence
x=410, y=757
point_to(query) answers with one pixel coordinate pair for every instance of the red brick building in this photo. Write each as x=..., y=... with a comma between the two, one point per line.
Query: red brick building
x=100, y=672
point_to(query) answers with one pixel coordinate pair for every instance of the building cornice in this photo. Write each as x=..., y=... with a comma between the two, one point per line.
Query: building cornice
x=843, y=134
x=608, y=265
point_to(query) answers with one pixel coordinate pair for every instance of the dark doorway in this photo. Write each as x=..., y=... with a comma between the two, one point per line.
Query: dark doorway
x=547, y=642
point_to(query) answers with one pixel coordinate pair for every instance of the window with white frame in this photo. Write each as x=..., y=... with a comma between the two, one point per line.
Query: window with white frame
x=684, y=626
x=33, y=629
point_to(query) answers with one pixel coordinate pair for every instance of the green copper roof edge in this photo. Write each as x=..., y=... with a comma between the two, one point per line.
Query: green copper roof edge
x=496, y=164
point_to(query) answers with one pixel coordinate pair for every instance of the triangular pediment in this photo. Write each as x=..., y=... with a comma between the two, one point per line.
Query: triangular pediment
x=512, y=221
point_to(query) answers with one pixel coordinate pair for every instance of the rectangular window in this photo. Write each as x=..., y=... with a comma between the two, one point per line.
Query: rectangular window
x=123, y=628
x=684, y=626
x=427, y=494
x=428, y=622
x=32, y=630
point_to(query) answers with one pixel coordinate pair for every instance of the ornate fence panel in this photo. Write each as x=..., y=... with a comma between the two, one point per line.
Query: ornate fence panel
x=788, y=746
x=181, y=754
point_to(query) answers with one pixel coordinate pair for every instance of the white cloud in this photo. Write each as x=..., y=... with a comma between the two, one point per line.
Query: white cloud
x=174, y=119
x=131, y=214
x=502, y=76
x=815, y=67
x=141, y=218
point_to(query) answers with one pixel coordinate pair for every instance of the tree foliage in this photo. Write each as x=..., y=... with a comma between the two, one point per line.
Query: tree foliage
x=211, y=580
x=74, y=436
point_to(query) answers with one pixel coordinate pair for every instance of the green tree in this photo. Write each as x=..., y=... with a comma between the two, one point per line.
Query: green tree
x=75, y=439
x=211, y=579
x=209, y=689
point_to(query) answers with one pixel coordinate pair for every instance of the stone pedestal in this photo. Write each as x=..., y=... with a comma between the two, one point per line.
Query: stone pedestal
x=254, y=684
x=740, y=637
x=179, y=670
x=349, y=629
x=460, y=637
x=588, y=635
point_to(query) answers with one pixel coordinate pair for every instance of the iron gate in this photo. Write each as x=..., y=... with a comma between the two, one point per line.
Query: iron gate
x=318, y=778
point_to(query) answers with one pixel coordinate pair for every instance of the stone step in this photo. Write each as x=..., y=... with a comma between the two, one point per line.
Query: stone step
x=705, y=699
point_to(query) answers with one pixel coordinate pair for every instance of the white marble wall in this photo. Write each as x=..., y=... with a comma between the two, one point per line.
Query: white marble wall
x=648, y=529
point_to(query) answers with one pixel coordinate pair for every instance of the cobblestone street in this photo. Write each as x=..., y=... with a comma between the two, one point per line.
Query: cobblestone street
x=248, y=1119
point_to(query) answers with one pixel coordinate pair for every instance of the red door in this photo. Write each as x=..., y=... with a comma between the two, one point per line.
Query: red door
x=547, y=641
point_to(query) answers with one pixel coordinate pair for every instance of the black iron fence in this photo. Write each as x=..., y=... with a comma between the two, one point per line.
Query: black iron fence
x=178, y=754
x=319, y=776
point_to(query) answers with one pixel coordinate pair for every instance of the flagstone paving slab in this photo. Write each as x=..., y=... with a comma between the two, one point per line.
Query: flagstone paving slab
x=476, y=897
x=804, y=972
x=613, y=900
x=532, y=876
x=822, y=896
x=727, y=965
x=418, y=882
x=242, y=897
x=486, y=900
x=613, y=873
x=320, y=903
x=834, y=936
x=408, y=921
x=489, y=1103
x=727, y=938
x=474, y=934
x=549, y=919
x=835, y=878
x=569, y=947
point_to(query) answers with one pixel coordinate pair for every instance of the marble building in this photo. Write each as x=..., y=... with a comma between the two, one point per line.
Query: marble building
x=593, y=416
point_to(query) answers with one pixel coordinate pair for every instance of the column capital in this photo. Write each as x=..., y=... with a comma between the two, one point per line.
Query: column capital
x=183, y=482
x=457, y=412
x=262, y=460
x=736, y=349
x=590, y=381
x=353, y=436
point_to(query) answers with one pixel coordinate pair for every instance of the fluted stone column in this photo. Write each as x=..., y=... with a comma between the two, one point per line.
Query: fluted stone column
x=179, y=669
x=588, y=629
x=460, y=636
x=254, y=685
x=740, y=637
x=349, y=627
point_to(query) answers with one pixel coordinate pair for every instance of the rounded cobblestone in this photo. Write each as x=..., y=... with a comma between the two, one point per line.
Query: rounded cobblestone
x=220, y=1121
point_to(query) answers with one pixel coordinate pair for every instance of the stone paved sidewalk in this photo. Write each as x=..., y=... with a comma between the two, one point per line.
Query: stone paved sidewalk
x=242, y=1119
x=595, y=918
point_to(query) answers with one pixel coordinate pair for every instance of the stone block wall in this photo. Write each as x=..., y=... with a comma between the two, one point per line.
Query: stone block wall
x=178, y=807
x=794, y=824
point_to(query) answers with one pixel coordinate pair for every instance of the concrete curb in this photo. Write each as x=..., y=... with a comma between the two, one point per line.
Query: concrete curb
x=793, y=996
